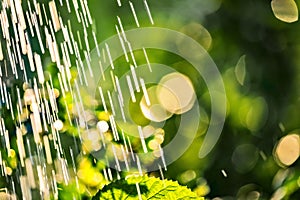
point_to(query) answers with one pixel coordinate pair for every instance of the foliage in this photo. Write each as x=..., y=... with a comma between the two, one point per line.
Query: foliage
x=149, y=187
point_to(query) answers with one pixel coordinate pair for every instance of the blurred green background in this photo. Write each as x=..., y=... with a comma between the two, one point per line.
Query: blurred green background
x=262, y=110
x=257, y=54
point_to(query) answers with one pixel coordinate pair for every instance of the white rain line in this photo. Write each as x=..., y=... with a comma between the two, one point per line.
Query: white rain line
x=161, y=175
x=145, y=92
x=47, y=149
x=88, y=12
x=1, y=52
x=67, y=38
x=37, y=29
x=119, y=91
x=54, y=15
x=73, y=160
x=50, y=45
x=45, y=13
x=138, y=191
x=61, y=3
x=102, y=99
x=88, y=63
x=135, y=80
x=19, y=100
x=122, y=29
x=84, y=13
x=86, y=41
x=122, y=43
x=148, y=12
x=83, y=72
x=5, y=94
x=68, y=6
x=119, y=3
x=101, y=70
x=29, y=171
x=109, y=56
x=111, y=103
x=125, y=143
x=139, y=165
x=79, y=72
x=43, y=113
x=30, y=57
x=76, y=7
x=131, y=53
x=34, y=125
x=130, y=147
x=105, y=174
x=25, y=188
x=113, y=79
x=134, y=14
x=122, y=110
x=7, y=142
x=102, y=138
x=15, y=32
x=61, y=84
x=83, y=20
x=103, y=55
x=147, y=59
x=51, y=97
x=30, y=23
x=110, y=174
x=38, y=8
x=39, y=68
x=142, y=139
x=96, y=43
x=163, y=157
x=68, y=113
x=79, y=39
x=5, y=68
x=131, y=91
x=2, y=168
x=116, y=158
x=18, y=115
x=48, y=115
x=20, y=14
x=64, y=79
x=13, y=13
x=114, y=127
x=55, y=185
x=66, y=57
x=224, y=173
x=20, y=144
x=19, y=57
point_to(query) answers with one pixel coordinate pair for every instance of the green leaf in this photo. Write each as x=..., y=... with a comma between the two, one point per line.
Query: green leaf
x=150, y=188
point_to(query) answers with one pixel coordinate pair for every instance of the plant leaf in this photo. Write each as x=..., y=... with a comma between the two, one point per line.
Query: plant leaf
x=150, y=188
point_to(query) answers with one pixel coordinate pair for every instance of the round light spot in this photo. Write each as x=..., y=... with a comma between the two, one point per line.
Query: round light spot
x=155, y=112
x=148, y=131
x=187, y=176
x=102, y=126
x=176, y=93
x=244, y=157
x=287, y=149
x=58, y=125
x=153, y=144
x=285, y=10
